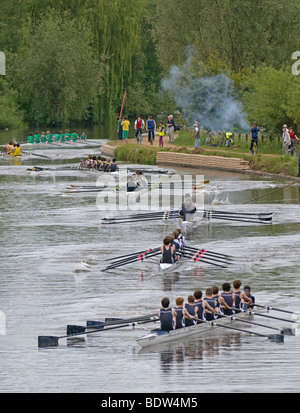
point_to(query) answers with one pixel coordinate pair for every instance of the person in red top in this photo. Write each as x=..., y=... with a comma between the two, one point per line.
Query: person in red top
x=293, y=138
x=139, y=125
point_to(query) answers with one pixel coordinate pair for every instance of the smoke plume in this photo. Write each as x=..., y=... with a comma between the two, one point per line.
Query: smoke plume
x=209, y=99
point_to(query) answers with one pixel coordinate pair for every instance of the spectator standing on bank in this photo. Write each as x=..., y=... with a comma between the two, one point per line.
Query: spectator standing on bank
x=161, y=132
x=254, y=136
x=150, y=128
x=139, y=125
x=119, y=128
x=286, y=140
x=299, y=163
x=196, y=136
x=171, y=127
x=125, y=125
x=293, y=137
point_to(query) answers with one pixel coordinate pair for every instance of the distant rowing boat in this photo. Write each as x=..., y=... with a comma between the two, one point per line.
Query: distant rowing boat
x=205, y=329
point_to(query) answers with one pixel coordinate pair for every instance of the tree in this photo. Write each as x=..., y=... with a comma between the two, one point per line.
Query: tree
x=57, y=75
x=272, y=98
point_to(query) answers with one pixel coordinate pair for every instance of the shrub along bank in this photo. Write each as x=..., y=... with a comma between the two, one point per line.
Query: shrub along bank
x=265, y=162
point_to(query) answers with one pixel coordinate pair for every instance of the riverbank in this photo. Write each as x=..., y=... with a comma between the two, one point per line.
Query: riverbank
x=227, y=159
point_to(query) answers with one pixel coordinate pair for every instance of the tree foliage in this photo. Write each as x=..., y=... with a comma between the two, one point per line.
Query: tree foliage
x=73, y=59
x=57, y=76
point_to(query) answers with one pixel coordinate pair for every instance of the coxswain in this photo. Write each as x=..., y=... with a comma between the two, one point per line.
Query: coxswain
x=167, y=251
x=167, y=315
x=247, y=292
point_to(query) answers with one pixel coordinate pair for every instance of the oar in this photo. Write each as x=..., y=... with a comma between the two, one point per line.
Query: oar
x=200, y=254
x=213, y=211
x=74, y=329
x=268, y=193
x=129, y=261
x=267, y=307
x=198, y=257
x=240, y=220
x=236, y=217
x=36, y=154
x=129, y=221
x=217, y=254
x=134, y=253
x=267, y=315
x=285, y=331
x=50, y=341
x=272, y=337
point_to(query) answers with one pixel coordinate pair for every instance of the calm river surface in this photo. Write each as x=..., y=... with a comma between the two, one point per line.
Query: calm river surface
x=53, y=249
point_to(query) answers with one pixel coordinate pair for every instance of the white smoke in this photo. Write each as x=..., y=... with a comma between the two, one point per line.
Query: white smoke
x=210, y=99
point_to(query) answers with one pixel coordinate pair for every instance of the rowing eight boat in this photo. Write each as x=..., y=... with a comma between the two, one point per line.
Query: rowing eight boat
x=204, y=329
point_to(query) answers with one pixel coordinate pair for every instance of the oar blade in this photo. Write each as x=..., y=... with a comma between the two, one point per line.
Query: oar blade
x=73, y=329
x=277, y=338
x=94, y=324
x=47, y=341
x=288, y=331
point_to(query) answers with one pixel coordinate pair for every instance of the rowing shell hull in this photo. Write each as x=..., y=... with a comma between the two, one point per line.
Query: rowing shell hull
x=166, y=268
x=205, y=329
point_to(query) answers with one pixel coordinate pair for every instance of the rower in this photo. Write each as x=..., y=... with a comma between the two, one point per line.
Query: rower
x=74, y=136
x=167, y=251
x=113, y=166
x=202, y=306
x=43, y=137
x=187, y=210
x=107, y=165
x=240, y=297
x=181, y=238
x=181, y=313
x=89, y=162
x=30, y=138
x=210, y=315
x=17, y=151
x=192, y=311
x=167, y=315
x=83, y=136
x=229, y=299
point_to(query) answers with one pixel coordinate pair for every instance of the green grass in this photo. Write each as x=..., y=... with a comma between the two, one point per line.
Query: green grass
x=275, y=163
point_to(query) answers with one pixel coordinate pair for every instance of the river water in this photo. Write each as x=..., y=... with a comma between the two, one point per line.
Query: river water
x=53, y=251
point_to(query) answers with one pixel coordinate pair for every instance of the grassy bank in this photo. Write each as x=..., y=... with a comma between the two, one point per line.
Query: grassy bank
x=269, y=158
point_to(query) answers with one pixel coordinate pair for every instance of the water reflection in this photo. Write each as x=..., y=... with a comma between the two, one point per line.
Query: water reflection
x=193, y=349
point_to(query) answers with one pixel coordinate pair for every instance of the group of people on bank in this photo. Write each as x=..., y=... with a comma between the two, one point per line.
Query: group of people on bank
x=151, y=129
x=199, y=309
